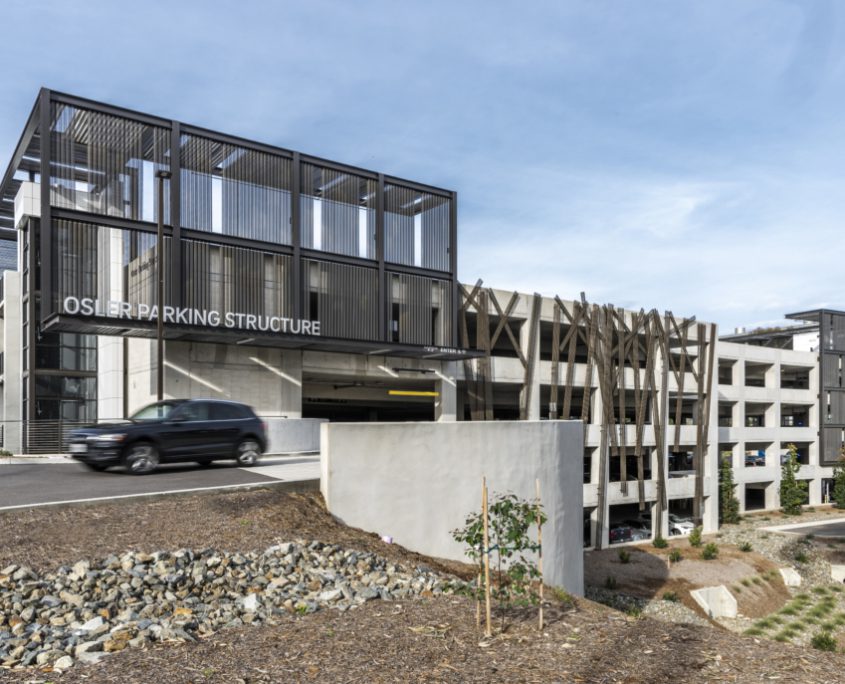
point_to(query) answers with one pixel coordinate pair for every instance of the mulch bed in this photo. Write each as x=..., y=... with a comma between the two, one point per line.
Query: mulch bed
x=431, y=640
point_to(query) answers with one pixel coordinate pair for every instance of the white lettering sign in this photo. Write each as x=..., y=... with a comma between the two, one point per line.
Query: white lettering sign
x=85, y=306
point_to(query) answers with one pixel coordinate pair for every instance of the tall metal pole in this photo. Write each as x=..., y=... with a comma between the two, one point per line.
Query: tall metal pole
x=162, y=176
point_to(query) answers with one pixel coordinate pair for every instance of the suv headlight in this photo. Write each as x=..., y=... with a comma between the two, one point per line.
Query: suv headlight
x=108, y=439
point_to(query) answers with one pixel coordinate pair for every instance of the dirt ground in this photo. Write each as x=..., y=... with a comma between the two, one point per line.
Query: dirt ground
x=430, y=640
x=649, y=574
x=45, y=538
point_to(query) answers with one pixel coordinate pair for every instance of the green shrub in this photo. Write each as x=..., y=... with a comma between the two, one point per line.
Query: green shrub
x=660, y=543
x=824, y=641
x=695, y=537
x=675, y=556
x=801, y=557
x=753, y=631
x=809, y=537
x=624, y=556
x=746, y=582
x=610, y=582
x=710, y=551
x=745, y=547
x=821, y=591
x=782, y=636
x=793, y=492
x=670, y=596
x=836, y=588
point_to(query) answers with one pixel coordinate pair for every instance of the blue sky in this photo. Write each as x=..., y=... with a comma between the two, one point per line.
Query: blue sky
x=679, y=155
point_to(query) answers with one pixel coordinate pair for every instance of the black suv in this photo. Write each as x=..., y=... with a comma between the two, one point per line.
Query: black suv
x=200, y=430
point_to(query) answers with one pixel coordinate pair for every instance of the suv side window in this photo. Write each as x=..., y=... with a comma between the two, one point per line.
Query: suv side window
x=225, y=412
x=193, y=411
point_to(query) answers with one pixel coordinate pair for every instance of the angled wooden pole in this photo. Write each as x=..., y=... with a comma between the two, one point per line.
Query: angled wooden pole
x=487, y=629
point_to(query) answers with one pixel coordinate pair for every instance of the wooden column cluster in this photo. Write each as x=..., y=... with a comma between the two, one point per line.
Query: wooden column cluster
x=651, y=345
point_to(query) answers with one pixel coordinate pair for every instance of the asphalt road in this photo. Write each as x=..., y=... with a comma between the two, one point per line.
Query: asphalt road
x=39, y=484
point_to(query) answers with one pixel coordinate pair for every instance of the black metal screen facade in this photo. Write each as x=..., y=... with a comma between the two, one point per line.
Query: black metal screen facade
x=248, y=227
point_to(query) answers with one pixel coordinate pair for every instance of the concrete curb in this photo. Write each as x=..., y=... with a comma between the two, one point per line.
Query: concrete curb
x=799, y=526
x=59, y=459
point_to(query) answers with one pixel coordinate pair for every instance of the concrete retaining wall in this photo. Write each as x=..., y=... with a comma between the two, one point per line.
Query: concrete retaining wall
x=293, y=435
x=418, y=481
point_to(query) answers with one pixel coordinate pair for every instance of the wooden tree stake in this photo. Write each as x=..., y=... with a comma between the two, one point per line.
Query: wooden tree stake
x=488, y=630
x=540, y=544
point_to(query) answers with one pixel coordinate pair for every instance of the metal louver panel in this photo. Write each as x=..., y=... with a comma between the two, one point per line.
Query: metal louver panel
x=235, y=190
x=343, y=298
x=420, y=310
x=105, y=164
x=338, y=212
x=104, y=263
x=234, y=279
x=416, y=228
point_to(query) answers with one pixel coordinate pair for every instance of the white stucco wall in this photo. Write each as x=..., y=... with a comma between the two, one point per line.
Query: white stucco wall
x=418, y=481
x=293, y=435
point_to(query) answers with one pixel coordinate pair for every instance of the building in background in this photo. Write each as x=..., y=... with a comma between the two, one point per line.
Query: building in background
x=312, y=289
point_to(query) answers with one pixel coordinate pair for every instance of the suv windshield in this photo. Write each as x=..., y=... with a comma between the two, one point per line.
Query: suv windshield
x=157, y=411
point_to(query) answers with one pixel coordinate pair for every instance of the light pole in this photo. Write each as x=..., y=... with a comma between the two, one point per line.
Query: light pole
x=162, y=176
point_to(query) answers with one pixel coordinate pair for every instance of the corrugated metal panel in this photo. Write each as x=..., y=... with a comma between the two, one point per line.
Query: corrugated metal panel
x=416, y=228
x=105, y=164
x=420, y=310
x=343, y=298
x=338, y=212
x=235, y=191
x=233, y=279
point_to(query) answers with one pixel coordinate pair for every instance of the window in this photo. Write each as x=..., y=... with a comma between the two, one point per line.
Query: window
x=220, y=411
x=192, y=411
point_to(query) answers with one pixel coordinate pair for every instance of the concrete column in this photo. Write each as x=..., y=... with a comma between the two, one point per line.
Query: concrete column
x=739, y=492
x=773, y=495
x=446, y=385
x=12, y=331
x=815, y=491
x=109, y=378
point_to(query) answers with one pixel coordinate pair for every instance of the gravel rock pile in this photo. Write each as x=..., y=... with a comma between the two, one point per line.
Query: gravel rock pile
x=657, y=608
x=82, y=613
x=787, y=550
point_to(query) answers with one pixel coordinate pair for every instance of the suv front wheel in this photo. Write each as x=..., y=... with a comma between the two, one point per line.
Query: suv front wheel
x=141, y=458
x=248, y=453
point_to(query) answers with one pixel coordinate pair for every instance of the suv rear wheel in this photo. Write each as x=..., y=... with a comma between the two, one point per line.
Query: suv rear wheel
x=141, y=458
x=248, y=453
